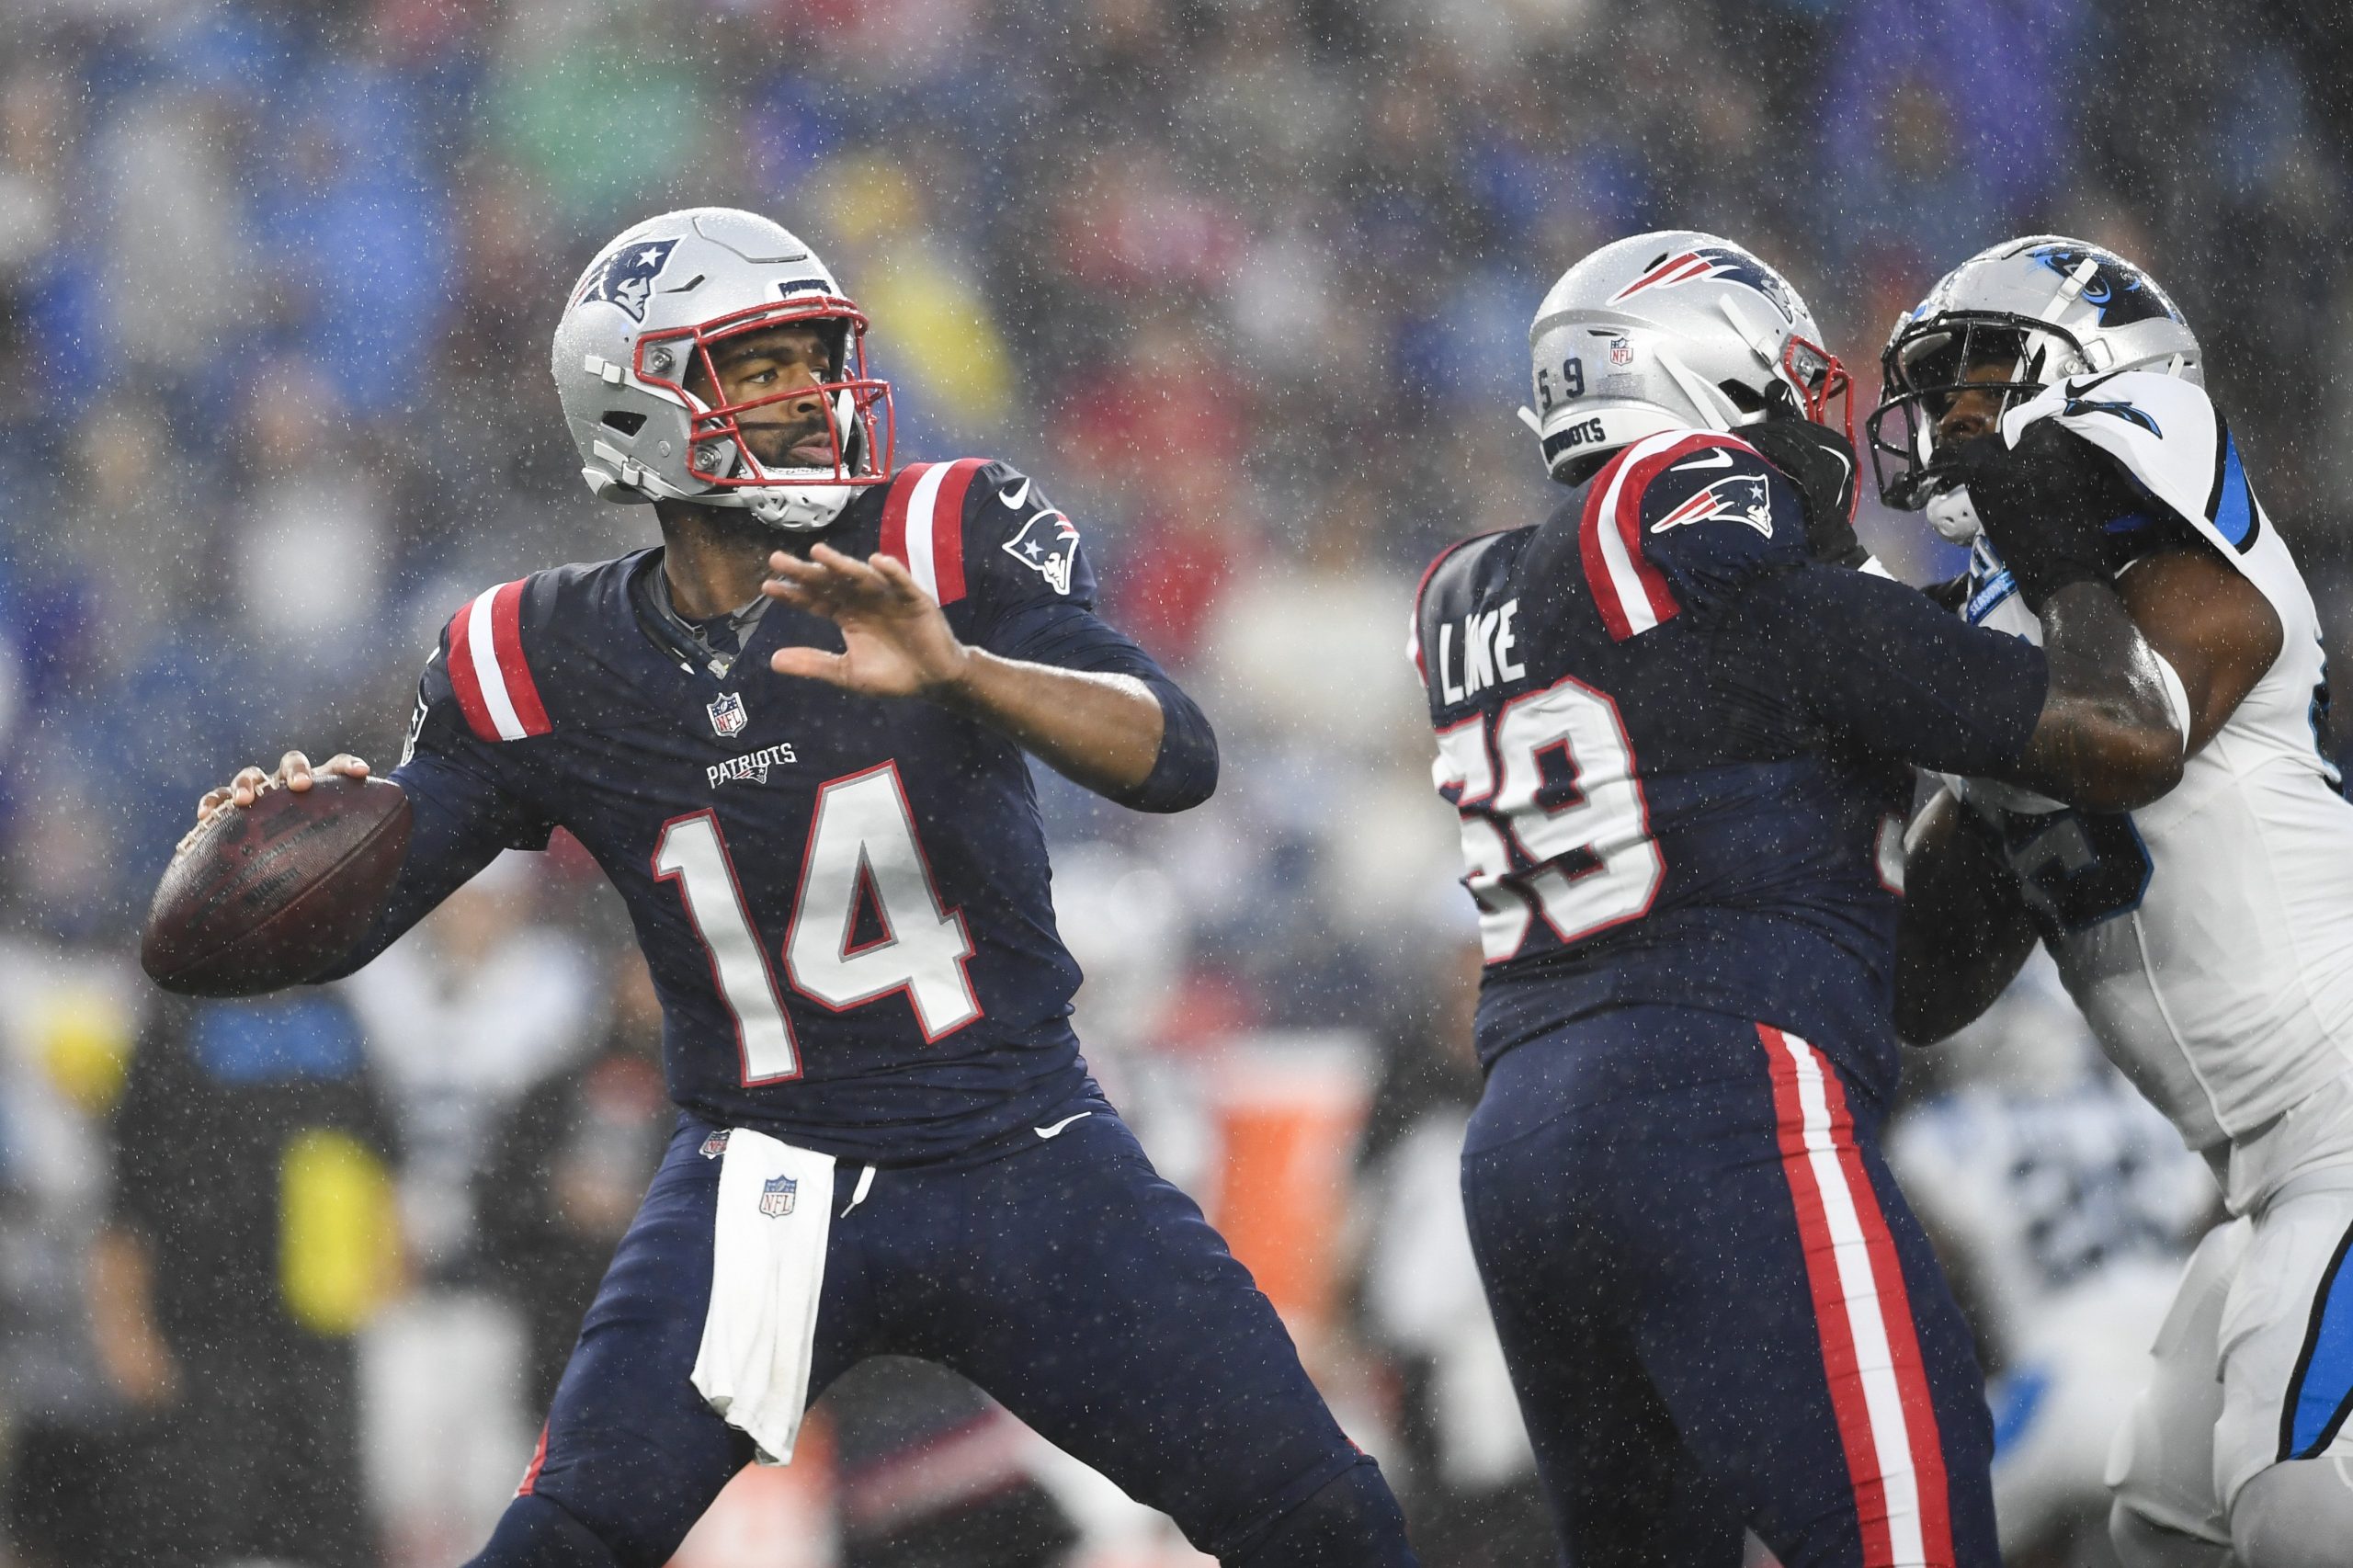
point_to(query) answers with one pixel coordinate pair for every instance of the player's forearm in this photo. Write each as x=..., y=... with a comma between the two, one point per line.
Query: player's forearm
x=1964, y=933
x=1102, y=730
x=2108, y=738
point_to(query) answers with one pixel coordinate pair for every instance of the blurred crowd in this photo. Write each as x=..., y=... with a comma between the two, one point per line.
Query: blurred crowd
x=1245, y=284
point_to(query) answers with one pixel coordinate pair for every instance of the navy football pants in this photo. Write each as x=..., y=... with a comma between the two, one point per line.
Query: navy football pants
x=1065, y=1278
x=1717, y=1309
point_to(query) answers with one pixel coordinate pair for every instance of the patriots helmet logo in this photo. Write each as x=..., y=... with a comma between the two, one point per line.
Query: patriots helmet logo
x=1740, y=497
x=625, y=278
x=1048, y=545
x=2117, y=290
x=1714, y=261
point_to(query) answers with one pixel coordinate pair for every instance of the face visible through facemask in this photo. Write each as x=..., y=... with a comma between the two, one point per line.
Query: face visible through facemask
x=785, y=365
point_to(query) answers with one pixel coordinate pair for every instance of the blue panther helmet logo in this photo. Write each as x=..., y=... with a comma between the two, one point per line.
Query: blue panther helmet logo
x=625, y=276
x=2117, y=288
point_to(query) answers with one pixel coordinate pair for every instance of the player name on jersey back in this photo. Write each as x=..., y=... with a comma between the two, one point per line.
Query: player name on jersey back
x=1641, y=821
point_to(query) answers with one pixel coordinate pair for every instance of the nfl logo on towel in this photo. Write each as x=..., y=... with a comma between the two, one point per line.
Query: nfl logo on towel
x=727, y=714
x=776, y=1197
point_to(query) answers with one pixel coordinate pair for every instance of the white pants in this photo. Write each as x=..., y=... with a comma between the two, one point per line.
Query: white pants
x=2245, y=1376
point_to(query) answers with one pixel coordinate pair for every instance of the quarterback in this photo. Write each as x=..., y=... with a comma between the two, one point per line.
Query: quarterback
x=888, y=1142
x=2049, y=386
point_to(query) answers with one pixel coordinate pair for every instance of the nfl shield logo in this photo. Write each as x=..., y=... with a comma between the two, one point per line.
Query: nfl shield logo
x=1621, y=352
x=714, y=1145
x=776, y=1197
x=727, y=715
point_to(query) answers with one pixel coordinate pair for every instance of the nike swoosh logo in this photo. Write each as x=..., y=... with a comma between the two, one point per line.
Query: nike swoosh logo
x=2086, y=388
x=1055, y=1130
x=1017, y=494
x=1717, y=457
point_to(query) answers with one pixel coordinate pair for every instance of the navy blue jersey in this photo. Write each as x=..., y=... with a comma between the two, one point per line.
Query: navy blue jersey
x=1679, y=750
x=844, y=899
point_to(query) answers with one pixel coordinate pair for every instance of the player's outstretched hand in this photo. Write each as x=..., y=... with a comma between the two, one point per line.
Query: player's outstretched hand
x=897, y=642
x=294, y=772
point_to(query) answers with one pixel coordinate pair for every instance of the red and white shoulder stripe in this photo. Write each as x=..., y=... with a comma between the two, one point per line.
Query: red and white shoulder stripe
x=1634, y=594
x=923, y=524
x=1870, y=1351
x=492, y=680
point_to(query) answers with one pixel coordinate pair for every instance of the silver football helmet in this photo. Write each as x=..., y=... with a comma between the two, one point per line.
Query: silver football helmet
x=635, y=370
x=1665, y=332
x=2003, y=325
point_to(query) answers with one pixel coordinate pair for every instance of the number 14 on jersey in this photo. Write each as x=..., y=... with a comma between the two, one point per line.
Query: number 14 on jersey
x=862, y=842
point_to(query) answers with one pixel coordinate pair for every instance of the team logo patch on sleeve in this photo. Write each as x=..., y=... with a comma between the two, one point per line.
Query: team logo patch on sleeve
x=777, y=1196
x=1048, y=545
x=625, y=276
x=1740, y=497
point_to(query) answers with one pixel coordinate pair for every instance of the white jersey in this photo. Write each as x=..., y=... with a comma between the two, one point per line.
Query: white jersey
x=2208, y=937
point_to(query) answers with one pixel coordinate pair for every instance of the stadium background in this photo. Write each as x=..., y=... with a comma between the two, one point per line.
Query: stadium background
x=1244, y=284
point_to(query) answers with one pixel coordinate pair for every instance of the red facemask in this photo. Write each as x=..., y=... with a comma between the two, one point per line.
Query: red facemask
x=1819, y=378
x=854, y=407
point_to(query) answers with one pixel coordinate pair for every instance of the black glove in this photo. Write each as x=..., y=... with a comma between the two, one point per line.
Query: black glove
x=1821, y=463
x=2045, y=504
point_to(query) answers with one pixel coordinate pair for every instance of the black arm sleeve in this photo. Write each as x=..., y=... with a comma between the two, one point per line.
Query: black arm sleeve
x=1879, y=665
x=1070, y=637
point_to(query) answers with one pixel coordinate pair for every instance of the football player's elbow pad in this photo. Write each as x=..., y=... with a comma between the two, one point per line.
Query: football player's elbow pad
x=1185, y=774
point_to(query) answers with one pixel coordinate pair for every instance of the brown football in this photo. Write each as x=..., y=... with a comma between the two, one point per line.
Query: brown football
x=273, y=895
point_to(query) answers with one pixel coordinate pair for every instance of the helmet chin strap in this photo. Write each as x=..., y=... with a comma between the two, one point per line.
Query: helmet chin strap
x=787, y=506
x=797, y=509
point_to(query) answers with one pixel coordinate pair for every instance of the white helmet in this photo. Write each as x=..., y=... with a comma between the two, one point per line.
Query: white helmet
x=2033, y=311
x=648, y=311
x=1665, y=332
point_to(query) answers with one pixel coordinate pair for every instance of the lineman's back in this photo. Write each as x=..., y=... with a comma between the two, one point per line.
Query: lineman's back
x=1676, y=747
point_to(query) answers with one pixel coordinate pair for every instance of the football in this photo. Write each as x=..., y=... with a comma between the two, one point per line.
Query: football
x=270, y=896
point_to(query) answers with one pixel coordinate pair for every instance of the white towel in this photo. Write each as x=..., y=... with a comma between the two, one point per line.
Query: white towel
x=768, y=1270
